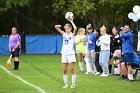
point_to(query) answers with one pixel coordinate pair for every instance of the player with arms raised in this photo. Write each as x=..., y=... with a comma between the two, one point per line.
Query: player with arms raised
x=68, y=52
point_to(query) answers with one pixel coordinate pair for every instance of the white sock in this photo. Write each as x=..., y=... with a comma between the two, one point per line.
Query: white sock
x=95, y=70
x=88, y=67
x=73, y=79
x=87, y=64
x=130, y=76
x=118, y=69
x=81, y=66
x=65, y=78
x=92, y=67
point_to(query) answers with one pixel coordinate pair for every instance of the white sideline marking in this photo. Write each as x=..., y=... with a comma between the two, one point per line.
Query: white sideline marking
x=22, y=80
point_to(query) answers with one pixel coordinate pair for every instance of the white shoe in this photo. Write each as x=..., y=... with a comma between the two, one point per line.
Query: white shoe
x=97, y=73
x=72, y=86
x=87, y=73
x=130, y=79
x=65, y=86
x=104, y=75
x=92, y=72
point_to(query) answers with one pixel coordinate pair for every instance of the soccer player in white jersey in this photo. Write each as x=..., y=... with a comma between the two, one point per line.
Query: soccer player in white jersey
x=68, y=52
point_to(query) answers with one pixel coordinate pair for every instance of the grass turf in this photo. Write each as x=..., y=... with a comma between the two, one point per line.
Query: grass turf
x=45, y=71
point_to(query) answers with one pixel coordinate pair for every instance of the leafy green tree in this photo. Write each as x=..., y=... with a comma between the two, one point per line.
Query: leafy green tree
x=7, y=4
x=40, y=16
x=9, y=9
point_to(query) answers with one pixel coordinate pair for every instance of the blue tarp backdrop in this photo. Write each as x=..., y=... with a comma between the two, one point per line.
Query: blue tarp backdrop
x=59, y=42
x=40, y=44
x=36, y=44
x=4, y=49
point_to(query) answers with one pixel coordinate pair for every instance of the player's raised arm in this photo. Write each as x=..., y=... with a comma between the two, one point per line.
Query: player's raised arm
x=57, y=27
x=74, y=26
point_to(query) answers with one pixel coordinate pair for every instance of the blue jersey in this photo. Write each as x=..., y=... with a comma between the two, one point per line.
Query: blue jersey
x=127, y=45
x=92, y=38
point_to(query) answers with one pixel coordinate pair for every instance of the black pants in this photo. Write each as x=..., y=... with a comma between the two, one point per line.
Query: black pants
x=98, y=67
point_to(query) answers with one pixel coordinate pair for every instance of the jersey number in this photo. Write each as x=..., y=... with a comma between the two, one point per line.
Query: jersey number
x=66, y=42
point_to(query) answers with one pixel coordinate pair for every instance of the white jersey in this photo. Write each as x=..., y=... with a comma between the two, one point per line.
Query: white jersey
x=68, y=44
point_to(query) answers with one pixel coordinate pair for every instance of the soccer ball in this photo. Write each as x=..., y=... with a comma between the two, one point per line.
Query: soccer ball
x=69, y=16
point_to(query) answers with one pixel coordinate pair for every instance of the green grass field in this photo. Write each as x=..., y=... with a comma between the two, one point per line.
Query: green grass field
x=45, y=71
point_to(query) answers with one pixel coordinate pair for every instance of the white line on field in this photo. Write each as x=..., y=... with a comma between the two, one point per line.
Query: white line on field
x=22, y=80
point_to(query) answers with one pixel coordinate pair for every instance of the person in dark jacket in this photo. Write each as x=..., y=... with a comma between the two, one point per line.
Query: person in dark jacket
x=116, y=46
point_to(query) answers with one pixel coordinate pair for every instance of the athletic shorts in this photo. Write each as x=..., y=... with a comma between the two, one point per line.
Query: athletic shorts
x=119, y=52
x=128, y=58
x=15, y=53
x=135, y=65
x=68, y=58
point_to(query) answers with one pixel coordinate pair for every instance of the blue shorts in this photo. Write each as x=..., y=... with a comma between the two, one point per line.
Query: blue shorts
x=128, y=58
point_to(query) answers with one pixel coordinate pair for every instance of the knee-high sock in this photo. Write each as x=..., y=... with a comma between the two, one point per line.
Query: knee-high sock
x=81, y=66
x=17, y=64
x=88, y=67
x=14, y=64
x=73, y=79
x=65, y=79
x=130, y=76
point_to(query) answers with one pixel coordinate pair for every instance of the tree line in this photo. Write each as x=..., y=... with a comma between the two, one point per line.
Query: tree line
x=40, y=16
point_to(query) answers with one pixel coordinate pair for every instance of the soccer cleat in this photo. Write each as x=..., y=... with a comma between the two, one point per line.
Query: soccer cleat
x=97, y=73
x=131, y=80
x=65, y=86
x=72, y=86
x=93, y=73
x=87, y=73
x=123, y=77
x=104, y=75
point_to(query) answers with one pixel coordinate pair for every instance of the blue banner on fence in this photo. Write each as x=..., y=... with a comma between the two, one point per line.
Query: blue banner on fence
x=36, y=44
x=4, y=48
x=59, y=43
x=43, y=44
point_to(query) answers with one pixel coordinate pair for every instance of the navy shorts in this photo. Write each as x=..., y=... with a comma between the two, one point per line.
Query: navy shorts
x=15, y=53
x=135, y=65
x=128, y=58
